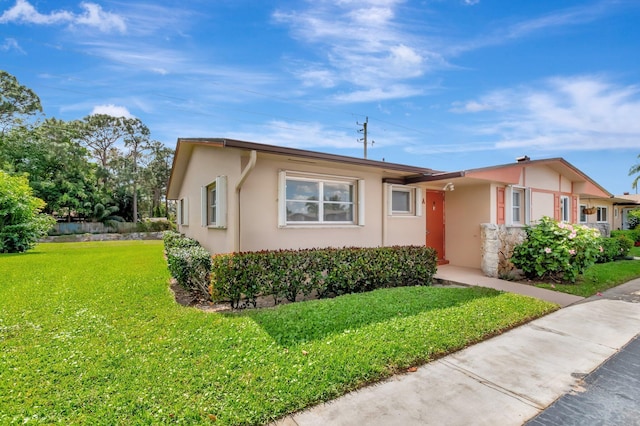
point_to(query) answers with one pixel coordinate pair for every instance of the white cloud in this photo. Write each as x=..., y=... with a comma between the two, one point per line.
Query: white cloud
x=112, y=110
x=379, y=93
x=10, y=44
x=471, y=2
x=366, y=46
x=94, y=16
x=25, y=13
x=564, y=113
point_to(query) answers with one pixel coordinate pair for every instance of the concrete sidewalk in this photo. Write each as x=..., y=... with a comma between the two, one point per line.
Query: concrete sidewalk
x=505, y=380
x=449, y=274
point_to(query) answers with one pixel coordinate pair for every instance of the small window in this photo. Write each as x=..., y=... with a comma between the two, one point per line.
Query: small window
x=601, y=214
x=402, y=200
x=583, y=215
x=214, y=199
x=183, y=212
x=318, y=200
x=517, y=205
x=517, y=208
x=565, y=211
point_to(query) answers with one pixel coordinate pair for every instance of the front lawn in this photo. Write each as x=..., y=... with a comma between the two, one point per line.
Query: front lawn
x=90, y=334
x=599, y=277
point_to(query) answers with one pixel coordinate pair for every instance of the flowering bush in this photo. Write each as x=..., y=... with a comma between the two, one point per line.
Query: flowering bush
x=557, y=250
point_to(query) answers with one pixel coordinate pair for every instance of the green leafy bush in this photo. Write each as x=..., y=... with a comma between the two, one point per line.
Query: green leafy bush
x=633, y=218
x=615, y=247
x=557, y=250
x=156, y=225
x=632, y=234
x=21, y=223
x=240, y=278
x=189, y=263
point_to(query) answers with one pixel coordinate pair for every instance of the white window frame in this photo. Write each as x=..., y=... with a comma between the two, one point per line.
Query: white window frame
x=415, y=201
x=583, y=215
x=357, y=202
x=524, y=208
x=565, y=208
x=599, y=210
x=217, y=201
x=183, y=212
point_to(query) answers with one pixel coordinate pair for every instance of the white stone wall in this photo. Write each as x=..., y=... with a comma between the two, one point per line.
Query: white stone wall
x=497, y=242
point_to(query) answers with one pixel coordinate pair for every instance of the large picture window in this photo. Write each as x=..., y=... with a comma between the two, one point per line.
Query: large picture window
x=312, y=199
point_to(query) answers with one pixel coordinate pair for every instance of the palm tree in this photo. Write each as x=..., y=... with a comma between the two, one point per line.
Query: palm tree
x=635, y=170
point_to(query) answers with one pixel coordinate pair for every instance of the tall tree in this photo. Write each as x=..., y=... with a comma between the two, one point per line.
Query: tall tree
x=156, y=177
x=16, y=102
x=635, y=170
x=57, y=167
x=136, y=139
x=100, y=133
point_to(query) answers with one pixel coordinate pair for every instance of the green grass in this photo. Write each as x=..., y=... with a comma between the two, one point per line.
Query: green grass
x=635, y=251
x=599, y=277
x=90, y=334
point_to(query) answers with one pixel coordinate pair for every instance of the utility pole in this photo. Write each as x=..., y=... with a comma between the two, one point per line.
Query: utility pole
x=364, y=133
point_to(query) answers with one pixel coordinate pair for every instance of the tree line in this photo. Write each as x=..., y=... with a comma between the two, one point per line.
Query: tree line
x=97, y=168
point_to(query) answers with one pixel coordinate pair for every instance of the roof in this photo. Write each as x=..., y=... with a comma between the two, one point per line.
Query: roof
x=185, y=146
x=510, y=174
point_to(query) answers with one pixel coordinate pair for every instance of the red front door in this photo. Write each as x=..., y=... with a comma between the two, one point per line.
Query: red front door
x=434, y=206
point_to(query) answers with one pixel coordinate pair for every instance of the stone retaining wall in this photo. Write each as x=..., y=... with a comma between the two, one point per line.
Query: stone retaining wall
x=102, y=237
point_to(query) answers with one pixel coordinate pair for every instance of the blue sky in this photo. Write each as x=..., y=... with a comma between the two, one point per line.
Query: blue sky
x=446, y=84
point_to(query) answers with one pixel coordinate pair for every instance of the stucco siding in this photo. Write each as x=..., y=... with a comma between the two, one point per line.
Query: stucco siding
x=542, y=178
x=259, y=206
x=259, y=211
x=204, y=166
x=465, y=209
x=541, y=205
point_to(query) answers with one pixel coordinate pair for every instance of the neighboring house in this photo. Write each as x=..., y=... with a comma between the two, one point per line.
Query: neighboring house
x=624, y=204
x=242, y=196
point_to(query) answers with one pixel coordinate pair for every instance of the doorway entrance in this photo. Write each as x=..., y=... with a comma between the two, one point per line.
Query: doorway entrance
x=434, y=206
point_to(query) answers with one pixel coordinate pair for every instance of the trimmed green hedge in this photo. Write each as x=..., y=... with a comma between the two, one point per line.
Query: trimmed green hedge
x=632, y=234
x=615, y=247
x=189, y=263
x=240, y=278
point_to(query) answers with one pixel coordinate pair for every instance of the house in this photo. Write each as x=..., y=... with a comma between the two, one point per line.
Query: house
x=625, y=203
x=242, y=196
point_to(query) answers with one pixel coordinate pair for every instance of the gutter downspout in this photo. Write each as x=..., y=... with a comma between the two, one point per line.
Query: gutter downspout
x=385, y=203
x=253, y=156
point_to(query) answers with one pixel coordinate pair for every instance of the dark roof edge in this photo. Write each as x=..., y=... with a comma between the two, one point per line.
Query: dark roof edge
x=302, y=153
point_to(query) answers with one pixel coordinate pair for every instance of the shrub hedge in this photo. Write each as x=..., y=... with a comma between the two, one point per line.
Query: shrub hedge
x=615, y=247
x=632, y=234
x=189, y=263
x=240, y=278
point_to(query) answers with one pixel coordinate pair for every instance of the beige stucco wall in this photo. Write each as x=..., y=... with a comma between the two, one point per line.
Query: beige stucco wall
x=465, y=209
x=541, y=204
x=204, y=166
x=259, y=206
x=541, y=178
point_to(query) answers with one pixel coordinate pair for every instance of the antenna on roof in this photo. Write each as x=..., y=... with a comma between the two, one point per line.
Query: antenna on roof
x=364, y=132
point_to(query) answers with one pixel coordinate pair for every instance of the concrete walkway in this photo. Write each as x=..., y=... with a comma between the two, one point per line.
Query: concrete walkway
x=505, y=380
x=448, y=274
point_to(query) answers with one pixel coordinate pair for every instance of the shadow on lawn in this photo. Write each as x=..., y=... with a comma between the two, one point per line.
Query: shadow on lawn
x=316, y=319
